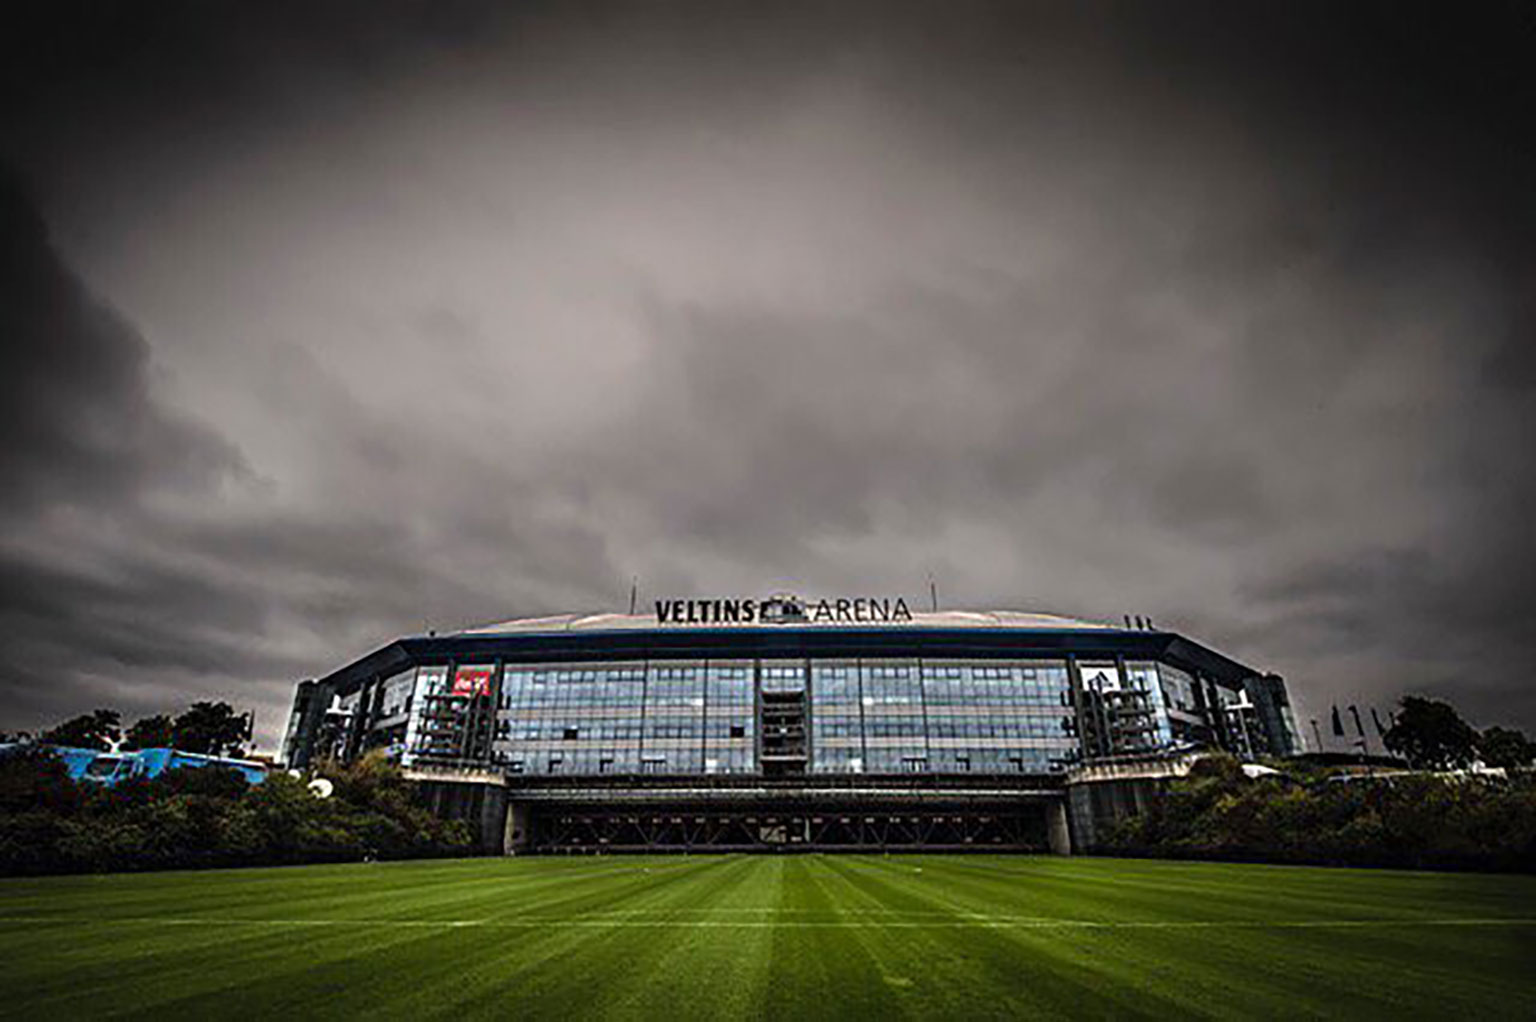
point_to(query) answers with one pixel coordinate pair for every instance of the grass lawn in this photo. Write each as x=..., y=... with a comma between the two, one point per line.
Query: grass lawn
x=782, y=937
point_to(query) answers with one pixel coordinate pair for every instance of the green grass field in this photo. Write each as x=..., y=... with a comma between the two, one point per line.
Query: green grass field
x=780, y=937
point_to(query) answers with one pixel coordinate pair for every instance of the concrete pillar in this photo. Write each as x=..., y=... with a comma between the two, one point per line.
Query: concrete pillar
x=518, y=833
x=493, y=819
x=1057, y=833
x=1081, y=817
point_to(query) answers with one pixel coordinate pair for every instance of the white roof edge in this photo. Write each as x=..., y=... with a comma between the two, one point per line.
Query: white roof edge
x=599, y=622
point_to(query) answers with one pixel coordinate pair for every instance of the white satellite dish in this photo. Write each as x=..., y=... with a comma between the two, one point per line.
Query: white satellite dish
x=321, y=788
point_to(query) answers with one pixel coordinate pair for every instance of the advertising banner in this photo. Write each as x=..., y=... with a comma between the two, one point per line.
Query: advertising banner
x=473, y=681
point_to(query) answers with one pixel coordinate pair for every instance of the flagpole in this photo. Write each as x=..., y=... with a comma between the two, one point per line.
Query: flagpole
x=1365, y=742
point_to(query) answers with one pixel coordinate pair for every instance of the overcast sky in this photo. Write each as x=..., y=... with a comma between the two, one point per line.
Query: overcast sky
x=324, y=325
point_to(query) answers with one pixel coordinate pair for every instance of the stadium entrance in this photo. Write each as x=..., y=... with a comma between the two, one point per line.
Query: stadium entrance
x=1006, y=828
x=799, y=814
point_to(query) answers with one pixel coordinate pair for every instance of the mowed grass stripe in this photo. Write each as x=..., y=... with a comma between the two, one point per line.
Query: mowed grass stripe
x=977, y=972
x=1130, y=970
x=628, y=961
x=400, y=964
x=737, y=936
x=678, y=919
x=339, y=891
x=1064, y=972
x=1150, y=889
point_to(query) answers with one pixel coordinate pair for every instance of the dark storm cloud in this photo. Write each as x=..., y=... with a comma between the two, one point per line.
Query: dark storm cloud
x=113, y=590
x=84, y=435
x=75, y=407
x=1216, y=312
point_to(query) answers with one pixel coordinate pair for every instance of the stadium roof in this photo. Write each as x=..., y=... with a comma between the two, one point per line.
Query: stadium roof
x=561, y=623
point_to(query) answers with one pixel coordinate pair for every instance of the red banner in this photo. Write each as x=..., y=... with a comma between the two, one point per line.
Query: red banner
x=473, y=681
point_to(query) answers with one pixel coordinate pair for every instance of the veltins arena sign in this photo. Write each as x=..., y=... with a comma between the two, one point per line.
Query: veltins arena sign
x=783, y=610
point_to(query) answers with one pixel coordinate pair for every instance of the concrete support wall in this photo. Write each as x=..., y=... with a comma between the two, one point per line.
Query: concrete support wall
x=493, y=820
x=1095, y=808
x=482, y=806
x=517, y=834
x=1100, y=795
x=1058, y=831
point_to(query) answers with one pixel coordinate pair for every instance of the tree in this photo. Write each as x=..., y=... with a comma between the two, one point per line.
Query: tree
x=96, y=730
x=157, y=732
x=1506, y=747
x=213, y=729
x=34, y=778
x=1431, y=735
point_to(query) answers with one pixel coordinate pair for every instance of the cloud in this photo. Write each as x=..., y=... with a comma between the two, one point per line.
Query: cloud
x=146, y=563
x=75, y=401
x=1218, y=315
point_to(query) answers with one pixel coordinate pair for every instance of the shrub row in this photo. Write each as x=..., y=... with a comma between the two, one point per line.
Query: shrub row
x=1415, y=821
x=191, y=819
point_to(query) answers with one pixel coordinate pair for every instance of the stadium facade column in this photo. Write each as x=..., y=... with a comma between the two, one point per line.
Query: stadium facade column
x=1058, y=833
x=357, y=722
x=1216, y=713
x=303, y=720
x=922, y=695
x=757, y=716
x=807, y=720
x=517, y=833
x=1202, y=702
x=858, y=679
x=373, y=709
x=1075, y=680
x=493, y=818
x=704, y=708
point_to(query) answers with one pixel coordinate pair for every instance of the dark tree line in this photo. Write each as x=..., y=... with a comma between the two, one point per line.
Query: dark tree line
x=213, y=729
x=1431, y=735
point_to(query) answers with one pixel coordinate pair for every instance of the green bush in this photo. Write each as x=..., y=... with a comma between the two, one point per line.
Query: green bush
x=1416, y=821
x=189, y=819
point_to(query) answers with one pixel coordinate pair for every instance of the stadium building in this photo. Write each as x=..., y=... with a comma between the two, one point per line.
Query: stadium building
x=787, y=723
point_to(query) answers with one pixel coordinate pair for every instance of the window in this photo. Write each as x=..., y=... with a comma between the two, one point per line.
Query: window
x=572, y=733
x=738, y=731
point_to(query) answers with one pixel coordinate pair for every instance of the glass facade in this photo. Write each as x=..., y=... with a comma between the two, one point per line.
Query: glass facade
x=672, y=736
x=837, y=718
x=895, y=731
x=787, y=705
x=430, y=728
x=998, y=717
x=858, y=716
x=571, y=719
x=730, y=718
x=1142, y=678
